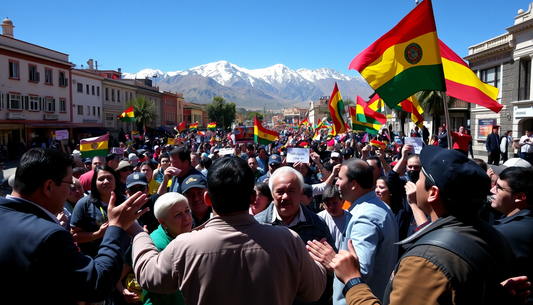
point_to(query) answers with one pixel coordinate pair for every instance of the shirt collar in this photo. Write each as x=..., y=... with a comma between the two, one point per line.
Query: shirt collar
x=40, y=207
x=276, y=218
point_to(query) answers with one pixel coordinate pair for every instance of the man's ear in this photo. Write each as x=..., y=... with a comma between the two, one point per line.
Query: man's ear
x=434, y=193
x=47, y=187
x=207, y=199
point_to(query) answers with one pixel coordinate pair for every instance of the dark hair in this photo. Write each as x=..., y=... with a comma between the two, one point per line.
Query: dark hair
x=260, y=148
x=182, y=152
x=308, y=190
x=79, y=170
x=331, y=192
x=206, y=162
x=110, y=157
x=95, y=195
x=520, y=180
x=250, y=146
x=481, y=163
x=230, y=183
x=359, y=171
x=396, y=202
x=38, y=165
x=264, y=190
x=165, y=155
x=149, y=163
x=375, y=158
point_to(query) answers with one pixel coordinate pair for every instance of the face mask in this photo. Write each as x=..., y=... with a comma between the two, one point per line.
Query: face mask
x=413, y=175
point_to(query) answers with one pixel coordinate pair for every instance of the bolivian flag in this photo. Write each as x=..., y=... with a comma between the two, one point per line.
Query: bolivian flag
x=262, y=135
x=127, y=116
x=193, y=126
x=92, y=147
x=360, y=121
x=335, y=108
x=212, y=126
x=406, y=59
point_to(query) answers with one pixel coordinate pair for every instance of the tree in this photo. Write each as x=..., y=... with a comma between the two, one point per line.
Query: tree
x=220, y=111
x=145, y=111
x=432, y=104
x=253, y=114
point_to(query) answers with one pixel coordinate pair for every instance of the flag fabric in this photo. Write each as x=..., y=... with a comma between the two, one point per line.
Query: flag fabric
x=170, y=141
x=201, y=133
x=373, y=114
x=193, y=126
x=212, y=126
x=127, y=116
x=336, y=106
x=135, y=135
x=376, y=103
x=304, y=122
x=262, y=135
x=378, y=144
x=365, y=138
x=362, y=125
x=406, y=59
x=92, y=147
x=180, y=127
x=412, y=106
x=462, y=83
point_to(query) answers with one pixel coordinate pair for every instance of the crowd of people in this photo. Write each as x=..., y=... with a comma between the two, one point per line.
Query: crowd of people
x=204, y=220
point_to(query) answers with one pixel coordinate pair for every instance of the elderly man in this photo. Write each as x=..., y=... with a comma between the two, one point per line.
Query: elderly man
x=48, y=260
x=194, y=188
x=87, y=178
x=247, y=263
x=181, y=168
x=286, y=210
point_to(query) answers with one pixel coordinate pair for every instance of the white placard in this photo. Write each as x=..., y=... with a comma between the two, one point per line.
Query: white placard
x=62, y=134
x=225, y=151
x=119, y=151
x=295, y=154
x=416, y=142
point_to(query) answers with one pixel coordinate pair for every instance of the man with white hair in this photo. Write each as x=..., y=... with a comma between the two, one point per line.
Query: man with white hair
x=287, y=187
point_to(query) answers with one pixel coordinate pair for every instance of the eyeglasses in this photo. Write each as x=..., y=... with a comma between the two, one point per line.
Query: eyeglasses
x=137, y=188
x=498, y=188
x=69, y=182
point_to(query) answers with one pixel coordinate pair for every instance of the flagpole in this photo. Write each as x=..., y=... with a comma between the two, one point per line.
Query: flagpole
x=447, y=118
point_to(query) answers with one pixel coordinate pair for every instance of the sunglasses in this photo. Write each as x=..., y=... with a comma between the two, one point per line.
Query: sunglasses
x=137, y=188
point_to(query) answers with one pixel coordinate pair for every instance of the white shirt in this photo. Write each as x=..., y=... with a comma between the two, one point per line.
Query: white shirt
x=277, y=218
x=337, y=226
x=526, y=147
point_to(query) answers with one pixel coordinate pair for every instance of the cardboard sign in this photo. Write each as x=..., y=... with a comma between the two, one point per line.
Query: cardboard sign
x=295, y=154
x=225, y=151
x=62, y=134
x=416, y=142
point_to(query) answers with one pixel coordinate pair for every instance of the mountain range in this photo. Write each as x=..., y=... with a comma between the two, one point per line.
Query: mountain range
x=275, y=87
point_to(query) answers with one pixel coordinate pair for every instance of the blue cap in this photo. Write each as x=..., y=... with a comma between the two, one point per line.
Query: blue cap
x=276, y=159
x=136, y=179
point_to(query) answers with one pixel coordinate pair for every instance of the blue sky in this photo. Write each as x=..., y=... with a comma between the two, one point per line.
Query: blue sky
x=181, y=34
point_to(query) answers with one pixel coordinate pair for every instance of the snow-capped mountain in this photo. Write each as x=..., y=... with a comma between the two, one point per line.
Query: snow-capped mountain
x=272, y=87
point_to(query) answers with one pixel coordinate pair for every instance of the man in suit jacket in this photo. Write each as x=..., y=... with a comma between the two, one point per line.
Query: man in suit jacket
x=493, y=146
x=39, y=261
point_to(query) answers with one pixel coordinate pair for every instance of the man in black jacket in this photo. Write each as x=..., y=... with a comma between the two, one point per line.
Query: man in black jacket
x=493, y=146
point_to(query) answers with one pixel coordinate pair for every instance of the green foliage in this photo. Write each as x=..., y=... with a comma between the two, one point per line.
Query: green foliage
x=432, y=104
x=220, y=111
x=253, y=114
x=145, y=111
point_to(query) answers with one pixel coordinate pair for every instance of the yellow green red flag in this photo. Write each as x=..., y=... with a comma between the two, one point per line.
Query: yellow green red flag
x=406, y=59
x=92, y=147
x=127, y=116
x=336, y=106
x=262, y=135
x=212, y=126
x=193, y=126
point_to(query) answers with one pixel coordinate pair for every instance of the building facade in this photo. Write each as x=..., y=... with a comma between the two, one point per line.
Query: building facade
x=87, y=108
x=505, y=62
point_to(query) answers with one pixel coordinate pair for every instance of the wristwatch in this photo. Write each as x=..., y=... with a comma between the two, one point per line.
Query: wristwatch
x=353, y=282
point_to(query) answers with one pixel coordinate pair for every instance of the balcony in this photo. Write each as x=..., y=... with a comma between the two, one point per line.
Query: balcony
x=502, y=40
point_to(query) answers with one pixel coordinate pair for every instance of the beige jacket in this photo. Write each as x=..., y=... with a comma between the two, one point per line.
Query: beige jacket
x=231, y=260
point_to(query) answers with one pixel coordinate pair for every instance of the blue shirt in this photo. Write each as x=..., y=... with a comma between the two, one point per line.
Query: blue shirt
x=373, y=231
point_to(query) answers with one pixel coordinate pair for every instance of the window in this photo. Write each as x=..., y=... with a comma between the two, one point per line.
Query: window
x=98, y=111
x=88, y=110
x=80, y=87
x=13, y=69
x=48, y=76
x=33, y=74
x=118, y=96
x=492, y=76
x=131, y=96
x=80, y=109
x=34, y=103
x=107, y=94
x=63, y=81
x=126, y=96
x=94, y=111
x=98, y=91
x=112, y=95
x=50, y=104
x=87, y=87
x=14, y=101
x=92, y=90
x=62, y=105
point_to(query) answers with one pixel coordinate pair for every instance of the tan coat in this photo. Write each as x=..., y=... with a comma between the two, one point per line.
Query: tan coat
x=231, y=260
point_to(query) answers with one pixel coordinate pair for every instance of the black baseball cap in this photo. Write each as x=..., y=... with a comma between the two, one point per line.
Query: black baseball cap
x=193, y=181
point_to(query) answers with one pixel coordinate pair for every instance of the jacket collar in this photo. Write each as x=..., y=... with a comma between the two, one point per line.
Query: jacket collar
x=520, y=214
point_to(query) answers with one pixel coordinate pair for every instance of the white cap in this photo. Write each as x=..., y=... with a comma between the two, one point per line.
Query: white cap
x=517, y=162
x=335, y=155
x=133, y=159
